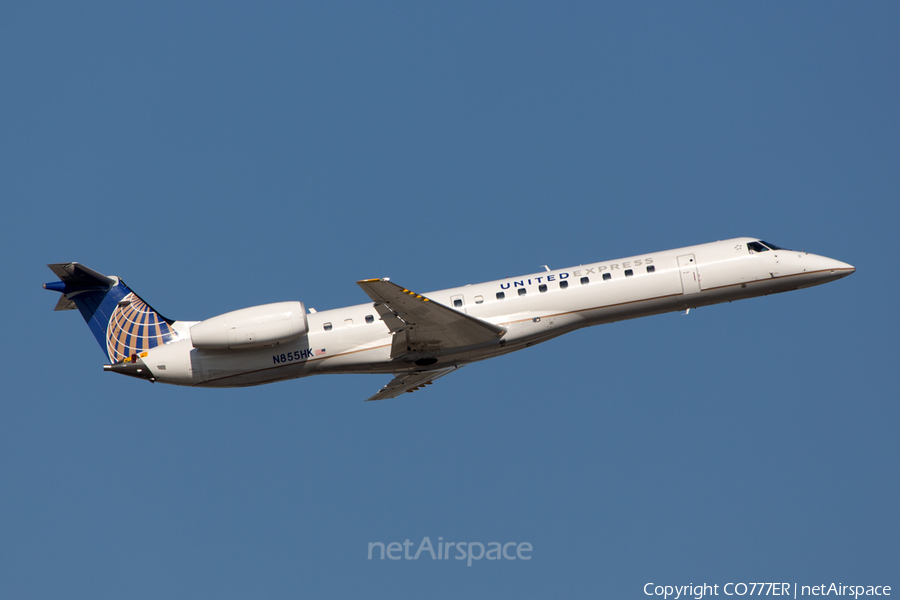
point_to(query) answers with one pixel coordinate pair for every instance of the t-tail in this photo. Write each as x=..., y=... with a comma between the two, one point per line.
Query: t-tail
x=122, y=322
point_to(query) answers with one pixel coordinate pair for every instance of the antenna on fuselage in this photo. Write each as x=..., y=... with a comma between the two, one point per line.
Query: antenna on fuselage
x=546, y=267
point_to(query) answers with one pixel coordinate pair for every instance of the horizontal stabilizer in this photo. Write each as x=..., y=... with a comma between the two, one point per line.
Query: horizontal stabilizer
x=78, y=276
x=65, y=304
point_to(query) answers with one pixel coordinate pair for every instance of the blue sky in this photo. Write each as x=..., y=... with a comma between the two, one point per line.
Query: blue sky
x=220, y=155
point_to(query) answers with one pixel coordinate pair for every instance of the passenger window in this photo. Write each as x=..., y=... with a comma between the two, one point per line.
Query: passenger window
x=563, y=285
x=327, y=326
x=628, y=272
x=542, y=288
x=500, y=295
x=607, y=276
x=651, y=269
x=522, y=291
x=585, y=280
x=457, y=303
x=348, y=322
x=370, y=319
x=479, y=299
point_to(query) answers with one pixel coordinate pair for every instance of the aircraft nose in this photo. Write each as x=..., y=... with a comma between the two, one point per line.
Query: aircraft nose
x=841, y=268
x=833, y=269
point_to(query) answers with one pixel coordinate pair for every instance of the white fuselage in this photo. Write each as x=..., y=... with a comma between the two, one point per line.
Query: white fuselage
x=355, y=340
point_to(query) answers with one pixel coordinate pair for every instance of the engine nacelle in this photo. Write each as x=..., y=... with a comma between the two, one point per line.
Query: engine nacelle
x=264, y=325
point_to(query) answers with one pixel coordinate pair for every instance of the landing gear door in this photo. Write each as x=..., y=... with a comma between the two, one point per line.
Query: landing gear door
x=690, y=278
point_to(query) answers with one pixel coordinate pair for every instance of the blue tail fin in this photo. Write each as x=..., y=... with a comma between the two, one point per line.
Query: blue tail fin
x=121, y=321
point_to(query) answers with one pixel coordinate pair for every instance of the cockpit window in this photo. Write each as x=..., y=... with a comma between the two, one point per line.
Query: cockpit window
x=762, y=246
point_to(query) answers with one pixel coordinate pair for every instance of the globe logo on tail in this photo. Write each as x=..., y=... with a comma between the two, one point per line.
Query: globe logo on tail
x=135, y=327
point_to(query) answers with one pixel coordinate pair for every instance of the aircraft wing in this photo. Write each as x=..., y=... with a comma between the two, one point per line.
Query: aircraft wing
x=422, y=326
x=409, y=382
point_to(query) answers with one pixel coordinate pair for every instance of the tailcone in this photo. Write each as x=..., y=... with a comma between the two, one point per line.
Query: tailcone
x=131, y=366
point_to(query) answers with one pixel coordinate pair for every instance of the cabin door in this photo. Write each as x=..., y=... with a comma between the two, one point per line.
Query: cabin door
x=690, y=279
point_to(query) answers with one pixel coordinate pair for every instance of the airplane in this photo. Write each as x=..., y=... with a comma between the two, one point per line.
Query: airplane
x=418, y=338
